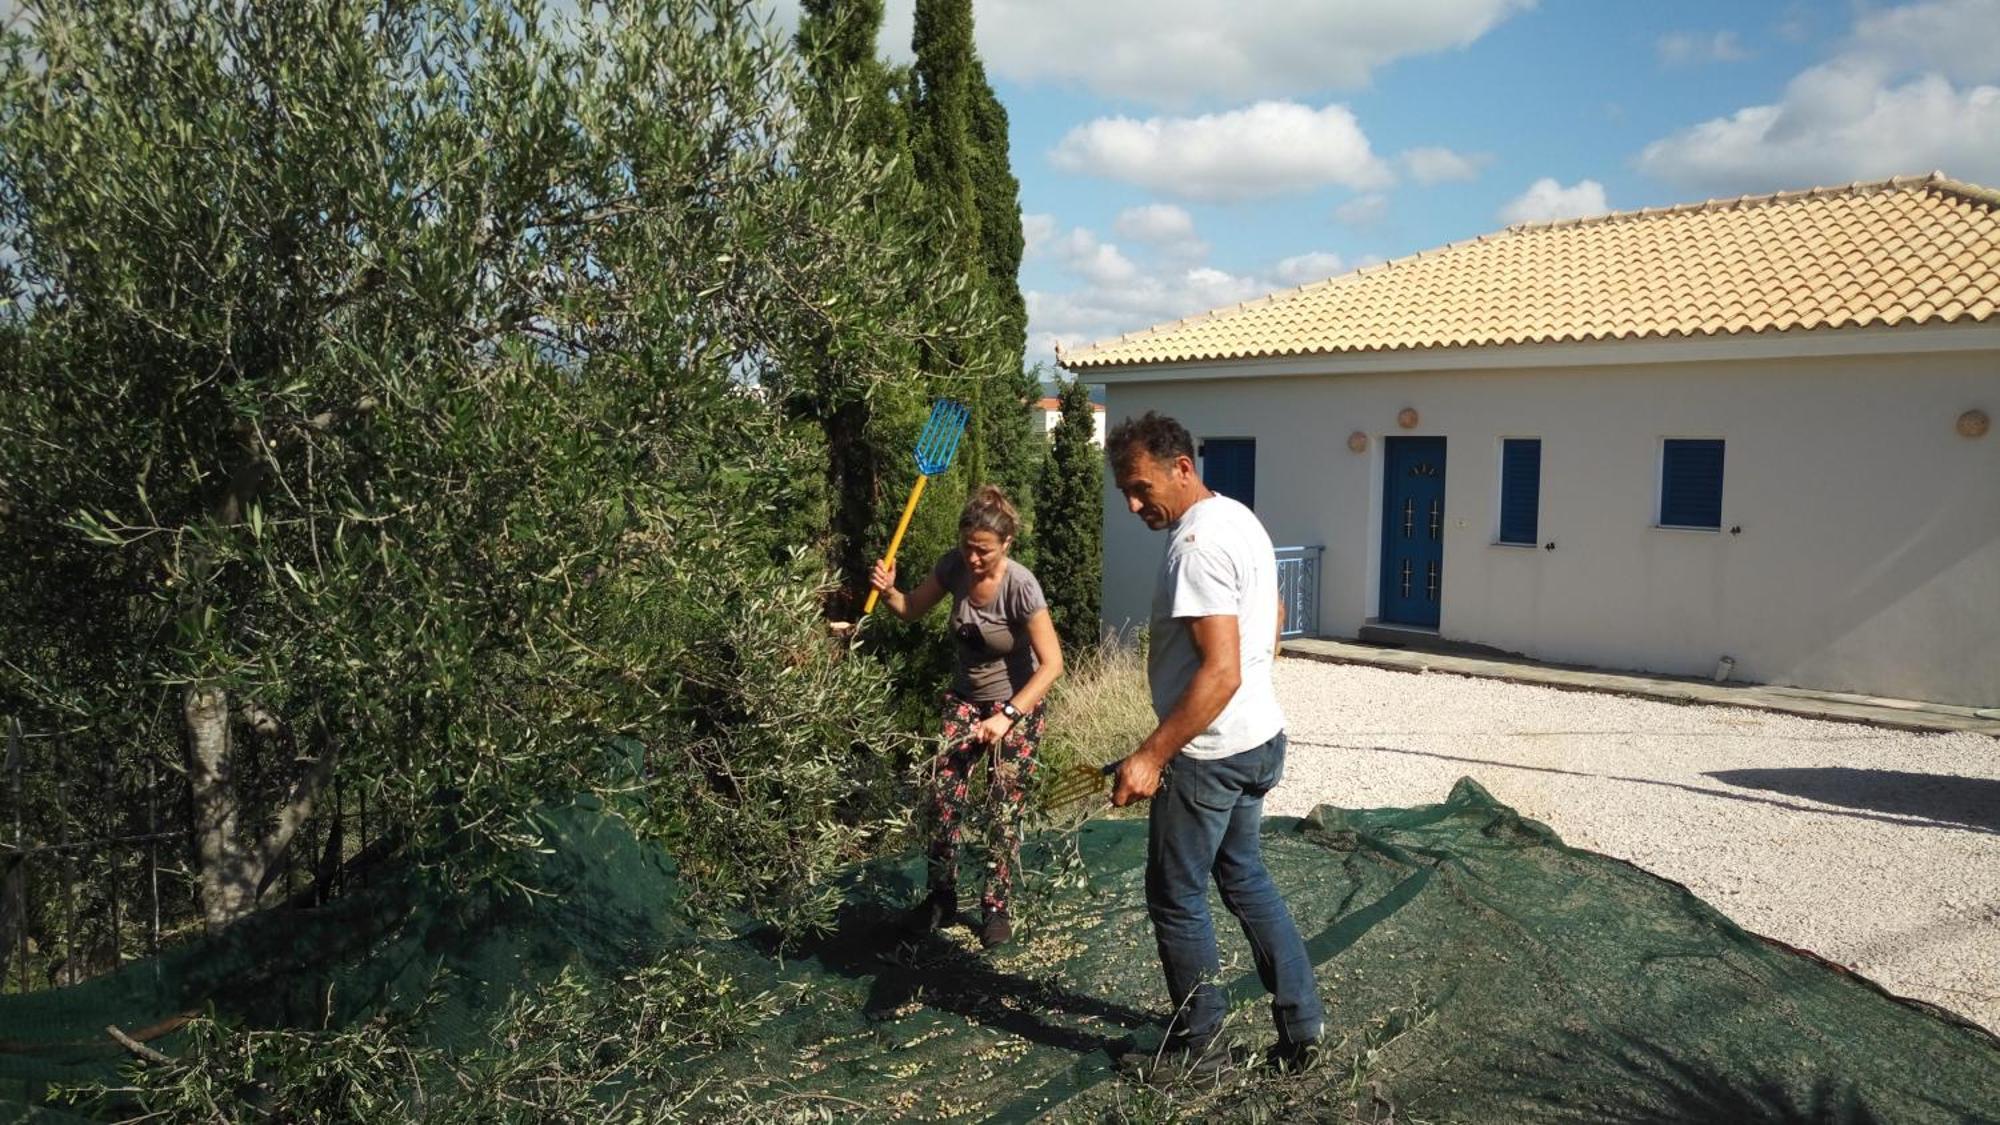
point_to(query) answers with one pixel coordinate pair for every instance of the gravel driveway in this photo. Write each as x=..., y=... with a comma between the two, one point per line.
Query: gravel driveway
x=1876, y=849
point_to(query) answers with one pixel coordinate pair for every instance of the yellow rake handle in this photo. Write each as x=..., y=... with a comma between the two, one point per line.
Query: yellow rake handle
x=896, y=540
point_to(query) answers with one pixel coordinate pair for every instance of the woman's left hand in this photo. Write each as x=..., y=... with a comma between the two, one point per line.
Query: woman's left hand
x=992, y=729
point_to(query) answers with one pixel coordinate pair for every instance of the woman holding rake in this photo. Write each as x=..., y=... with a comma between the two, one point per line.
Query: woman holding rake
x=1007, y=658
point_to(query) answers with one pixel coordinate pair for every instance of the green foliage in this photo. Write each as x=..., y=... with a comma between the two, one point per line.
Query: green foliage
x=869, y=439
x=960, y=153
x=581, y=1049
x=789, y=746
x=837, y=38
x=853, y=103
x=926, y=126
x=941, y=136
x=1069, y=503
x=1010, y=427
x=451, y=391
x=997, y=198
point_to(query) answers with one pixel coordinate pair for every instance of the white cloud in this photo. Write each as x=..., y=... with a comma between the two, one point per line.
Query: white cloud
x=1441, y=165
x=1872, y=132
x=1076, y=251
x=1302, y=268
x=1037, y=231
x=1099, y=263
x=1089, y=313
x=1363, y=210
x=1954, y=38
x=1170, y=52
x=1268, y=149
x=1546, y=200
x=1685, y=48
x=1796, y=25
x=1908, y=91
x=1155, y=223
x=1093, y=303
x=1165, y=227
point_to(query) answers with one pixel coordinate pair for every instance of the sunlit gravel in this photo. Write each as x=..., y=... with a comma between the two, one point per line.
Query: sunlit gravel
x=1877, y=849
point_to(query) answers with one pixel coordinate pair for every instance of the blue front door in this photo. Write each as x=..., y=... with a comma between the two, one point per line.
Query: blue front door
x=1412, y=530
x=1229, y=466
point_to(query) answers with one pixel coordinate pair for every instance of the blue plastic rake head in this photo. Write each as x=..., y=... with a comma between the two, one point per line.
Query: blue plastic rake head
x=938, y=444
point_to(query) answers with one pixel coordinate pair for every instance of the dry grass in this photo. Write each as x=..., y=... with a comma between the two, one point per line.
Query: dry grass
x=1099, y=710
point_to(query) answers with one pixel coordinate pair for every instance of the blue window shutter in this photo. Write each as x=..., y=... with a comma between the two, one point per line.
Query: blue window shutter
x=1691, y=483
x=1229, y=466
x=1520, y=490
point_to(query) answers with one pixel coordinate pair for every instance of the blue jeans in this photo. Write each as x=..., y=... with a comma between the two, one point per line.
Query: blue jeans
x=1205, y=821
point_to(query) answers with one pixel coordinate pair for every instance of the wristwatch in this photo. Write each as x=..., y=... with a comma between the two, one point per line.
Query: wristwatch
x=1012, y=712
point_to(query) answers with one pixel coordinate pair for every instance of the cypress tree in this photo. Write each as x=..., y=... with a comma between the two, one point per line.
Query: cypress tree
x=837, y=39
x=1013, y=441
x=941, y=152
x=1070, y=527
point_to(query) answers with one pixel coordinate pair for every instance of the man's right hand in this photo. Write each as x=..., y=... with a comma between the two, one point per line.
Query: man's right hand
x=883, y=578
x=1138, y=779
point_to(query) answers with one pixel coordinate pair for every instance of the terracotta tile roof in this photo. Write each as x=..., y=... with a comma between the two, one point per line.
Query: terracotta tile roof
x=1907, y=251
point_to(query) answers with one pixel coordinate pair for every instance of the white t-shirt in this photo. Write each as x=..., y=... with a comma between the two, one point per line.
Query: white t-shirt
x=1219, y=561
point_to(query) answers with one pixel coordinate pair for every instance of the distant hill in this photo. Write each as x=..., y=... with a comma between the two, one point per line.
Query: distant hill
x=1053, y=388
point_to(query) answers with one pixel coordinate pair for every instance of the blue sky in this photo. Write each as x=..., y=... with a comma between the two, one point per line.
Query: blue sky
x=1179, y=155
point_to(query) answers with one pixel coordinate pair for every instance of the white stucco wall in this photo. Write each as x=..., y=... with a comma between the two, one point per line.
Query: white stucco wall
x=1052, y=417
x=1869, y=558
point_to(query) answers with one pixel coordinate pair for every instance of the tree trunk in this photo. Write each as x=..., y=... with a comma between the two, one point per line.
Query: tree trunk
x=13, y=906
x=228, y=886
x=851, y=474
x=234, y=871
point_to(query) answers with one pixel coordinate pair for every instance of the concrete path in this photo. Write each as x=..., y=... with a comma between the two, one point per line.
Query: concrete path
x=1896, y=714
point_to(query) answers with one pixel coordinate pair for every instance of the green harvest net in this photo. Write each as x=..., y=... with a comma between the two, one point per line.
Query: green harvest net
x=1476, y=969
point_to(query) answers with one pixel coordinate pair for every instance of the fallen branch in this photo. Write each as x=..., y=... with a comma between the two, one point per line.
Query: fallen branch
x=137, y=1048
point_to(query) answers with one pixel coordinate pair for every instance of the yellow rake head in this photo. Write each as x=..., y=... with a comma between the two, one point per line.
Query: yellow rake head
x=1078, y=785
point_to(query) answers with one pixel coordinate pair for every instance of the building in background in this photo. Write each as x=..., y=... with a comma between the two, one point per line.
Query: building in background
x=1051, y=408
x=1754, y=428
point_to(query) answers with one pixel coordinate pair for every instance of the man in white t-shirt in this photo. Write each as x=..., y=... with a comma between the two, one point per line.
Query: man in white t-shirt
x=1219, y=747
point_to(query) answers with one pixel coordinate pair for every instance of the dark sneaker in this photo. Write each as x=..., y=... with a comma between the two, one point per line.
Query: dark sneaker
x=1184, y=1066
x=934, y=913
x=996, y=931
x=1287, y=1057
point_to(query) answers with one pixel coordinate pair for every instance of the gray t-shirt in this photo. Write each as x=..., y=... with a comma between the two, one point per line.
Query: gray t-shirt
x=990, y=641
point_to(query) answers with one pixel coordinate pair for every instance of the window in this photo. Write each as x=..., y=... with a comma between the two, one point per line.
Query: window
x=1520, y=490
x=1691, y=483
x=1229, y=466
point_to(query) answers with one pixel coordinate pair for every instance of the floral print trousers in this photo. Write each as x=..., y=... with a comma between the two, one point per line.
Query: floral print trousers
x=1010, y=768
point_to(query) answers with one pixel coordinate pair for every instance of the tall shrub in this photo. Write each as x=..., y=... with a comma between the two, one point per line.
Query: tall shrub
x=1010, y=426
x=1070, y=523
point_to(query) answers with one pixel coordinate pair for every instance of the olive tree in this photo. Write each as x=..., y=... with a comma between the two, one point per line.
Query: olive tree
x=390, y=396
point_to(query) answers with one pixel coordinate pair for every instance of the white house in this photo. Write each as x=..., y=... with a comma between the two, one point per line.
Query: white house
x=1754, y=428
x=1051, y=408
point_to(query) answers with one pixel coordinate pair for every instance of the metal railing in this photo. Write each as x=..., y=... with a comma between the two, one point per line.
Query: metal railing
x=95, y=864
x=1298, y=589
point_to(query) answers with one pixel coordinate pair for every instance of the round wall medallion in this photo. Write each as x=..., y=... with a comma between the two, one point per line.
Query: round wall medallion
x=1357, y=442
x=1974, y=423
x=1408, y=418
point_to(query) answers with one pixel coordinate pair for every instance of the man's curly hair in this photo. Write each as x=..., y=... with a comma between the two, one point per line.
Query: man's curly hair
x=1152, y=433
